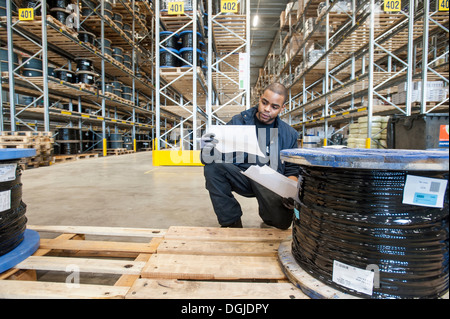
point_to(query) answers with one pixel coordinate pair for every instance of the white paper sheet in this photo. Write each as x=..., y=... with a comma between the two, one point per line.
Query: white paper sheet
x=271, y=179
x=236, y=138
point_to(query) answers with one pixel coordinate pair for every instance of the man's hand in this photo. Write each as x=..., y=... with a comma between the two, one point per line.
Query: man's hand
x=209, y=141
x=288, y=202
x=207, y=145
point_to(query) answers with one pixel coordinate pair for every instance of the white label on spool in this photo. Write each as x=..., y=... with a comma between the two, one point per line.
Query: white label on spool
x=8, y=172
x=354, y=278
x=5, y=200
x=424, y=191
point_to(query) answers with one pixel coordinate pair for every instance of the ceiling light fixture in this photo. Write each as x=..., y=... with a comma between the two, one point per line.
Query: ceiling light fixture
x=255, y=20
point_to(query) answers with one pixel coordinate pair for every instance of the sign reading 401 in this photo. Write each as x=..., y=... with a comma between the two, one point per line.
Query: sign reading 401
x=26, y=14
x=175, y=8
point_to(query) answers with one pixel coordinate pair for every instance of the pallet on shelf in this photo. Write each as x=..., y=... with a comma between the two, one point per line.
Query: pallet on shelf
x=244, y=258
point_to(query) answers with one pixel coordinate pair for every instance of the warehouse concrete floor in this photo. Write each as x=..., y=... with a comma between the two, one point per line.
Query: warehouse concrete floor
x=122, y=191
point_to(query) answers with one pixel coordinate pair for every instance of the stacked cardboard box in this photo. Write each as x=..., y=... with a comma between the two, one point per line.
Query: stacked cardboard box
x=436, y=92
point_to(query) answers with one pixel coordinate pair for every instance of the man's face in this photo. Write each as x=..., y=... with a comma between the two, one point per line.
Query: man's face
x=270, y=105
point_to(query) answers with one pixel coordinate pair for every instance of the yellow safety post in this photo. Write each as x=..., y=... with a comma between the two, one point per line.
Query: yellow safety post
x=105, y=151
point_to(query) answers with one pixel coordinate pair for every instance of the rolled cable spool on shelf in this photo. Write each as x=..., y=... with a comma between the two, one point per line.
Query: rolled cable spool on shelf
x=370, y=223
x=115, y=140
x=69, y=141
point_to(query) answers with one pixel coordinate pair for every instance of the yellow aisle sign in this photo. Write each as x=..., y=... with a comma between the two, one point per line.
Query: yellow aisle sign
x=176, y=8
x=443, y=5
x=227, y=6
x=392, y=5
x=26, y=14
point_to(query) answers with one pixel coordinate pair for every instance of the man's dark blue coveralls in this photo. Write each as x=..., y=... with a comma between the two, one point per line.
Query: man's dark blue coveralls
x=222, y=178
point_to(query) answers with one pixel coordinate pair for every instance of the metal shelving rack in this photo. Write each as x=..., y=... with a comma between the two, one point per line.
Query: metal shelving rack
x=59, y=45
x=228, y=56
x=203, y=98
x=367, y=54
x=181, y=86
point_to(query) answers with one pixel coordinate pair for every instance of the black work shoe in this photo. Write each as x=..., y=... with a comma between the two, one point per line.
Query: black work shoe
x=236, y=224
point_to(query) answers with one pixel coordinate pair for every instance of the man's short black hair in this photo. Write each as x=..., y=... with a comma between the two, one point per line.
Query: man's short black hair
x=279, y=89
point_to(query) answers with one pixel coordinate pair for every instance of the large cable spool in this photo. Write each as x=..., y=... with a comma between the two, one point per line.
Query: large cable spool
x=12, y=209
x=371, y=223
x=128, y=142
x=86, y=140
x=115, y=140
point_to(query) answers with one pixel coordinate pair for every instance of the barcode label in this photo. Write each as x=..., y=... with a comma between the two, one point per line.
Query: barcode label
x=5, y=200
x=434, y=187
x=354, y=278
x=8, y=172
x=424, y=191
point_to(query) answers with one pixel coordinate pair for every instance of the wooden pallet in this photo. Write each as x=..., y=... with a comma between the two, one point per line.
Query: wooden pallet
x=119, y=151
x=71, y=158
x=177, y=263
x=42, y=142
x=64, y=158
x=87, y=155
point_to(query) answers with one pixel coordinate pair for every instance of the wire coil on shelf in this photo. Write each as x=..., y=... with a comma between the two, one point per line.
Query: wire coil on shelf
x=12, y=217
x=356, y=217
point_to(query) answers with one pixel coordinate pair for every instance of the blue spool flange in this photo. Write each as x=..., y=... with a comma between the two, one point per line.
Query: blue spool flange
x=386, y=159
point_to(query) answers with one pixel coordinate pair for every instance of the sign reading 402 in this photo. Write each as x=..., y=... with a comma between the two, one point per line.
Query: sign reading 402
x=227, y=6
x=392, y=5
x=443, y=5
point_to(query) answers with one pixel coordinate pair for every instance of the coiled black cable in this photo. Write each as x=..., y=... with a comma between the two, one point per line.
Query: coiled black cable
x=12, y=220
x=357, y=217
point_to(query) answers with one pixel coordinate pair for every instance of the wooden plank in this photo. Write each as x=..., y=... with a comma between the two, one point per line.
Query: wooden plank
x=201, y=267
x=129, y=279
x=105, y=266
x=13, y=289
x=99, y=246
x=178, y=289
x=103, y=231
x=13, y=273
x=194, y=247
x=226, y=234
